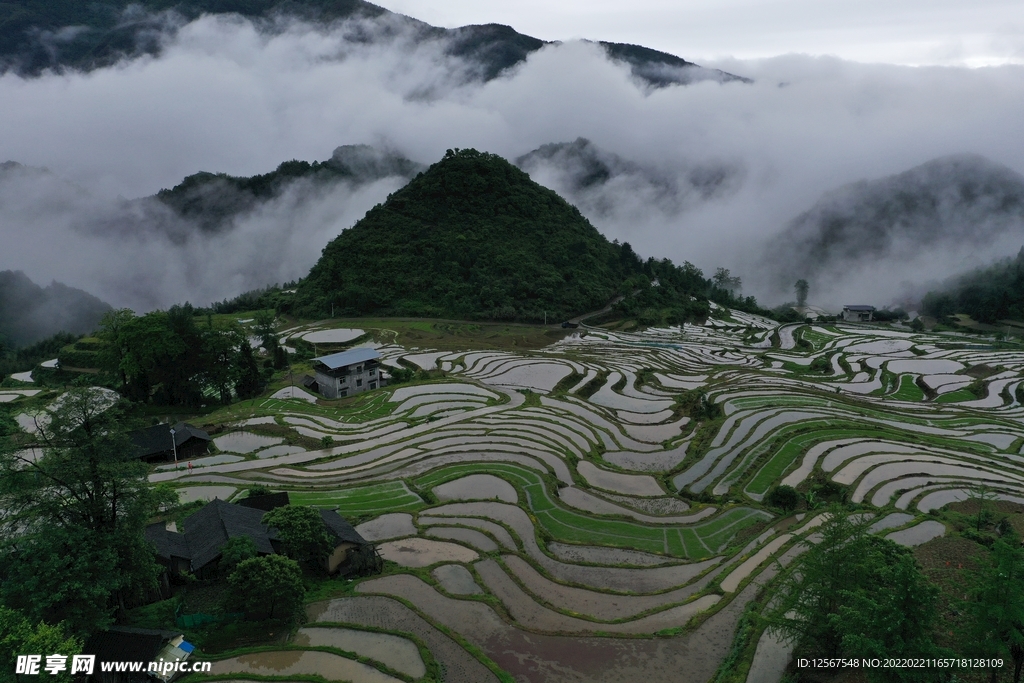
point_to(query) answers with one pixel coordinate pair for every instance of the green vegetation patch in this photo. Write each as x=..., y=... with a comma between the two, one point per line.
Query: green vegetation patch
x=361, y=500
x=694, y=542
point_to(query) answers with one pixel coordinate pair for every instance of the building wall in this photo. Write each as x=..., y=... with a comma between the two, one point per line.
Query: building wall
x=856, y=316
x=338, y=557
x=355, y=380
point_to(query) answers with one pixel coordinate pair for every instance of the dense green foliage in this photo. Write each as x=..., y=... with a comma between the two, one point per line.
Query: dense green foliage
x=302, y=531
x=997, y=605
x=19, y=636
x=987, y=294
x=72, y=543
x=26, y=358
x=270, y=584
x=471, y=238
x=783, y=497
x=235, y=551
x=853, y=594
x=165, y=357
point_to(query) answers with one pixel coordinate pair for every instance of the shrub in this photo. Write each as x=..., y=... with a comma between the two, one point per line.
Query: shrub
x=783, y=497
x=269, y=585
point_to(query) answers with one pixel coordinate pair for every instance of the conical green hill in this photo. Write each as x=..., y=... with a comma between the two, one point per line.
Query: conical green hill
x=472, y=237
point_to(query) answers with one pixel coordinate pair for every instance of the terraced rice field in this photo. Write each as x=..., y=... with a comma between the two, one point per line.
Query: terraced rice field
x=561, y=533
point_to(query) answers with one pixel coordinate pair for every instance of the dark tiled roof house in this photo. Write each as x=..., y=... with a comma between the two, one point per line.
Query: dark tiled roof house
x=154, y=444
x=198, y=549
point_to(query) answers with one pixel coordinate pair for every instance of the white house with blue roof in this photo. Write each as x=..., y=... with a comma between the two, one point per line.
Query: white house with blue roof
x=348, y=373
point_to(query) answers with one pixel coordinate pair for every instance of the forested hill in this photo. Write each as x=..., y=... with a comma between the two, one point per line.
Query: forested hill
x=29, y=312
x=988, y=294
x=54, y=34
x=473, y=237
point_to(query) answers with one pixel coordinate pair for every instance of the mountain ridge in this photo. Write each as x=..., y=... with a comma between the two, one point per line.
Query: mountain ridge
x=952, y=200
x=36, y=35
x=29, y=312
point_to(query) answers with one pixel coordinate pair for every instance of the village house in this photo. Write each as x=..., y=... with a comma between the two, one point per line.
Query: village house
x=160, y=443
x=348, y=373
x=858, y=314
x=198, y=549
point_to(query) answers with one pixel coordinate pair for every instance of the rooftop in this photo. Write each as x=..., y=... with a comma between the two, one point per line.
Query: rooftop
x=858, y=307
x=157, y=439
x=350, y=357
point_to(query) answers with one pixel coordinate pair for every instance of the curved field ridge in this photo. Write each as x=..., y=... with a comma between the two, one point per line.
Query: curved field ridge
x=552, y=509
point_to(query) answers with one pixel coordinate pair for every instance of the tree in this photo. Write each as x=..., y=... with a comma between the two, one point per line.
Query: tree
x=801, y=287
x=250, y=380
x=892, y=613
x=263, y=326
x=235, y=551
x=18, y=637
x=112, y=354
x=271, y=584
x=997, y=607
x=723, y=279
x=302, y=530
x=854, y=594
x=782, y=496
x=984, y=496
x=72, y=522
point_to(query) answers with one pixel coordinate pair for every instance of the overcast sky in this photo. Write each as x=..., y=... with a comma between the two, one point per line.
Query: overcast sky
x=908, y=32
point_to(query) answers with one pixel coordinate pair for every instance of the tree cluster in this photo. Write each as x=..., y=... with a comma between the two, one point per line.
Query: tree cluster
x=166, y=357
x=856, y=595
x=987, y=294
x=15, y=359
x=72, y=547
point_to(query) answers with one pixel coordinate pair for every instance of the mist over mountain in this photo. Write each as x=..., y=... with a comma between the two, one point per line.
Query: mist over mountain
x=210, y=237
x=36, y=35
x=707, y=172
x=29, y=312
x=212, y=200
x=604, y=184
x=950, y=214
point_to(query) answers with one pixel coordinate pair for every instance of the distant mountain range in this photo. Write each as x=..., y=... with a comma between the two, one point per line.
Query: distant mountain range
x=55, y=34
x=212, y=199
x=580, y=171
x=595, y=179
x=955, y=203
x=29, y=312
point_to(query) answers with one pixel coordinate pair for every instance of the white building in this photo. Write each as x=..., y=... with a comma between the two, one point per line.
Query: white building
x=348, y=373
x=858, y=314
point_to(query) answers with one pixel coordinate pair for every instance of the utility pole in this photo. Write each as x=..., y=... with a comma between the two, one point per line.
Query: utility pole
x=174, y=447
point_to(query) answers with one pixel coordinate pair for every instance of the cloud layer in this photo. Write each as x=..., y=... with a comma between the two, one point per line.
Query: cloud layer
x=224, y=97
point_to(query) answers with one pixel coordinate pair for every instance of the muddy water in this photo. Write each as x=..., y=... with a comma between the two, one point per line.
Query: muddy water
x=298, y=662
x=422, y=552
x=244, y=442
x=477, y=487
x=456, y=579
x=916, y=535
x=400, y=654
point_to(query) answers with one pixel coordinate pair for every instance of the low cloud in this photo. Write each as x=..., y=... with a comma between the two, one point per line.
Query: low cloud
x=225, y=96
